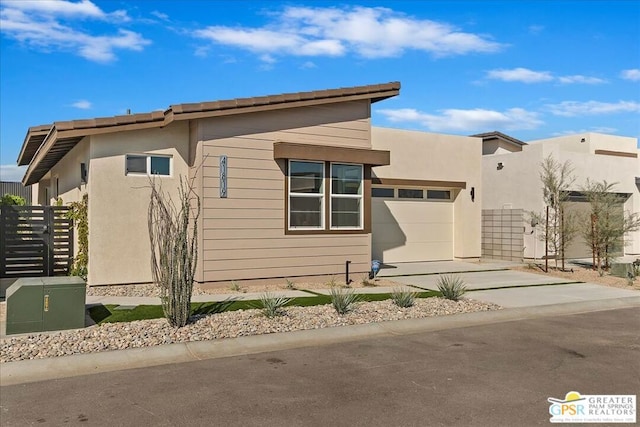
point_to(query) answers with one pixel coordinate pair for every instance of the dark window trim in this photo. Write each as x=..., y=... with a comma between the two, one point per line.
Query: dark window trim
x=366, y=197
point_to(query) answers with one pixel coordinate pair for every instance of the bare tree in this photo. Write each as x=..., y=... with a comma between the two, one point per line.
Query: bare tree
x=560, y=226
x=607, y=224
x=173, y=233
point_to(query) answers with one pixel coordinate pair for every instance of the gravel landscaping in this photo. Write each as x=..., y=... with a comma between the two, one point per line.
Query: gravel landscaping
x=145, y=333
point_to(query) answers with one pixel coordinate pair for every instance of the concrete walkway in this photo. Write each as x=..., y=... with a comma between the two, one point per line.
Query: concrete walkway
x=442, y=267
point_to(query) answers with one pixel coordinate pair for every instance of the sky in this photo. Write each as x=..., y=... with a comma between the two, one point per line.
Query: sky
x=529, y=69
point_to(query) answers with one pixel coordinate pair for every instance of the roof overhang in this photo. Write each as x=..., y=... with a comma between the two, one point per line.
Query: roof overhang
x=45, y=145
x=328, y=153
x=488, y=136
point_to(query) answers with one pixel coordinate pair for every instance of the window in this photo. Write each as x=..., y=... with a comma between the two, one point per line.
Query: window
x=306, y=195
x=406, y=193
x=382, y=192
x=148, y=165
x=325, y=196
x=439, y=194
x=346, y=196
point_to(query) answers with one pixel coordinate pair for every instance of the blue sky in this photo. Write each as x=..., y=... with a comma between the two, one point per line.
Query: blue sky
x=531, y=70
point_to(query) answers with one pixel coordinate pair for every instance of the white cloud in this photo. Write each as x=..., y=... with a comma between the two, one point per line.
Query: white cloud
x=581, y=79
x=633, y=74
x=308, y=65
x=467, y=120
x=536, y=29
x=591, y=108
x=523, y=75
x=368, y=32
x=82, y=104
x=12, y=172
x=46, y=25
x=595, y=129
x=160, y=15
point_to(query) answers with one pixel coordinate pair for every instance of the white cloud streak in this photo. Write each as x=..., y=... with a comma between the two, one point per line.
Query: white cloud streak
x=367, y=32
x=592, y=108
x=633, y=74
x=525, y=75
x=48, y=25
x=457, y=120
x=581, y=80
x=12, y=172
x=82, y=104
x=522, y=75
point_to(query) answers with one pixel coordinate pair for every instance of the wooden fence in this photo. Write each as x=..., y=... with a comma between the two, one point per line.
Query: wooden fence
x=35, y=241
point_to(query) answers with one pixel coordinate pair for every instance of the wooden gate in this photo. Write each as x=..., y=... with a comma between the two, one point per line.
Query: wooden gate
x=35, y=241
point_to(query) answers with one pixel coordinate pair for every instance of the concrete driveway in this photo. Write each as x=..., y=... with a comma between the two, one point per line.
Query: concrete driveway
x=492, y=282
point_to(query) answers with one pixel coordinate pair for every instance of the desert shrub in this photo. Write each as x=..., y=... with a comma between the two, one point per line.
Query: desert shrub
x=343, y=300
x=451, y=287
x=366, y=281
x=403, y=297
x=271, y=305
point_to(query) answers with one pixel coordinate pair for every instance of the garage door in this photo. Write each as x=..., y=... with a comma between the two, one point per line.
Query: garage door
x=411, y=230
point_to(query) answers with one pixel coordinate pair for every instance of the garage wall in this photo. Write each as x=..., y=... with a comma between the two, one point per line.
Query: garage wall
x=439, y=158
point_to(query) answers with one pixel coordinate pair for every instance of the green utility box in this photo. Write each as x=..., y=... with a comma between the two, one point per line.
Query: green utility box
x=45, y=304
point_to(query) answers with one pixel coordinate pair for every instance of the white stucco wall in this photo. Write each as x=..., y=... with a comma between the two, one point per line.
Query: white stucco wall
x=118, y=234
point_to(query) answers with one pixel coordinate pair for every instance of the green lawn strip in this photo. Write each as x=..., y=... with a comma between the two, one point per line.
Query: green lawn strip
x=440, y=273
x=109, y=314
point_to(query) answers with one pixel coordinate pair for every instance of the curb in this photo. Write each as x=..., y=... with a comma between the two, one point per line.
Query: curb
x=26, y=371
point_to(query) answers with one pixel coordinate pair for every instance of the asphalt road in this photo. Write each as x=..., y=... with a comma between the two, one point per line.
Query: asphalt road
x=491, y=375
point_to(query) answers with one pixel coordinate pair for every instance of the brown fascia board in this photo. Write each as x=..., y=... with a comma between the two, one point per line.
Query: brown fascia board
x=288, y=100
x=75, y=128
x=616, y=153
x=329, y=153
x=418, y=183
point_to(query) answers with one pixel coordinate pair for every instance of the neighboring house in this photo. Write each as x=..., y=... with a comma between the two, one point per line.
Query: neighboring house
x=16, y=189
x=512, y=188
x=295, y=199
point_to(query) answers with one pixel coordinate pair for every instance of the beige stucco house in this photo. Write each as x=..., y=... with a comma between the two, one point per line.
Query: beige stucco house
x=512, y=188
x=286, y=184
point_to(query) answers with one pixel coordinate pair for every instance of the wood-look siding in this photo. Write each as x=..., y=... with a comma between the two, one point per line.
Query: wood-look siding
x=243, y=235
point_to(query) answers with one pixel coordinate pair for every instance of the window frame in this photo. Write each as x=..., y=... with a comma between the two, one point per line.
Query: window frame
x=360, y=197
x=148, y=158
x=321, y=195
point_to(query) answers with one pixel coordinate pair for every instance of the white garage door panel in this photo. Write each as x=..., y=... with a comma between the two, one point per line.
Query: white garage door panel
x=419, y=252
x=425, y=232
x=409, y=230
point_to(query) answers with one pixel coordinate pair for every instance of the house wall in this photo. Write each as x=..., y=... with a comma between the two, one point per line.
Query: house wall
x=518, y=184
x=118, y=234
x=428, y=156
x=243, y=235
x=67, y=172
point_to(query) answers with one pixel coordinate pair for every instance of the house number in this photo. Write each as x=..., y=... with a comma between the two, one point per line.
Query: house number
x=223, y=176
